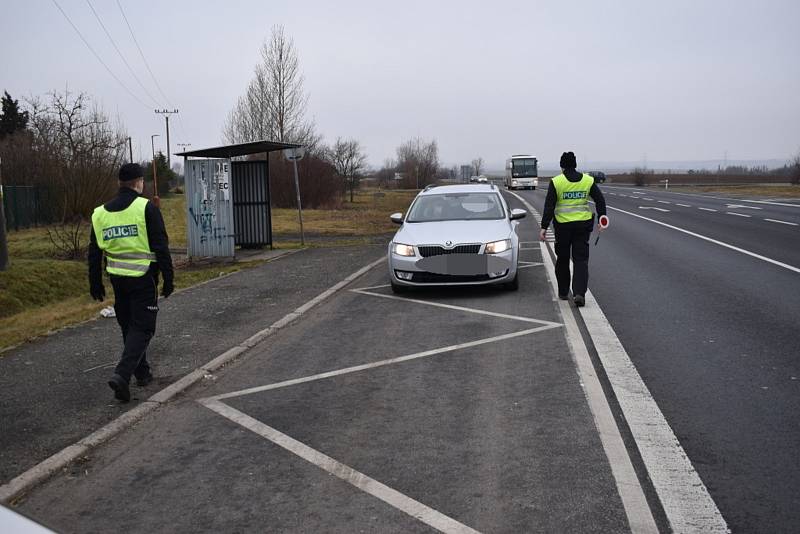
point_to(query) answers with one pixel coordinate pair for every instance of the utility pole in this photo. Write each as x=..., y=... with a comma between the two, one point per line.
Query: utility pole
x=167, y=113
x=156, y=200
x=130, y=149
x=3, y=242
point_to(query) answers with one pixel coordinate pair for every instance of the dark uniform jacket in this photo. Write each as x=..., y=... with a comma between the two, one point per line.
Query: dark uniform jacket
x=156, y=236
x=550, y=202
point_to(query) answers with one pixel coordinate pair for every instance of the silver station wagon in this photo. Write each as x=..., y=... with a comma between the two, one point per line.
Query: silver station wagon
x=455, y=235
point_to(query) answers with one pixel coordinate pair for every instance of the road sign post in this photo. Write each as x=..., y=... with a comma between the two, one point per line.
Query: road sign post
x=294, y=155
x=3, y=242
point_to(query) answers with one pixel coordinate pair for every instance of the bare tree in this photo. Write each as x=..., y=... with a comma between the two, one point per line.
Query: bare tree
x=385, y=174
x=418, y=160
x=794, y=170
x=349, y=159
x=274, y=104
x=477, y=165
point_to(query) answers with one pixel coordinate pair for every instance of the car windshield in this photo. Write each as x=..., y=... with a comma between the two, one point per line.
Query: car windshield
x=456, y=207
x=523, y=167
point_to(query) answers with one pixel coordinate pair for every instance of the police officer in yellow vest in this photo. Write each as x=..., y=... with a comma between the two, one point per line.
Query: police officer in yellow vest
x=129, y=231
x=568, y=201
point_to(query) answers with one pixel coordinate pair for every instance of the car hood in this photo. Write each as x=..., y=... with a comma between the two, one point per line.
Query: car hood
x=439, y=232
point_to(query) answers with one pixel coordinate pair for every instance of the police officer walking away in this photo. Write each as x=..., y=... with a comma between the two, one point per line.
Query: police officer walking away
x=129, y=231
x=568, y=199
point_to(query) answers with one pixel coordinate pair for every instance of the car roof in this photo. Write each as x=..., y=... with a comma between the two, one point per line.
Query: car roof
x=460, y=188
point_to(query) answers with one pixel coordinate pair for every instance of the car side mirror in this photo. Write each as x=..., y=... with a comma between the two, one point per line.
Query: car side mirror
x=396, y=218
x=517, y=214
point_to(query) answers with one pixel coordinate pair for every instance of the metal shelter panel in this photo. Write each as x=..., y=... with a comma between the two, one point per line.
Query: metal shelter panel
x=251, y=203
x=210, y=208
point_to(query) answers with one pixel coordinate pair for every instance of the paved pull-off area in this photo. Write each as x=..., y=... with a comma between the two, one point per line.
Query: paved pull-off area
x=455, y=410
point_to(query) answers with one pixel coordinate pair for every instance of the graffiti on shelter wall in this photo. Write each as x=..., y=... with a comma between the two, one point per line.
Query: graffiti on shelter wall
x=213, y=186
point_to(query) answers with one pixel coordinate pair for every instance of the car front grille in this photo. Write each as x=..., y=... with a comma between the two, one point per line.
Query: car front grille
x=435, y=250
x=433, y=278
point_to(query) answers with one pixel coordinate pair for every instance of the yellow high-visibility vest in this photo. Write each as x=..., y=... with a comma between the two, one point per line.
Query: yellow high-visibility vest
x=572, y=202
x=122, y=236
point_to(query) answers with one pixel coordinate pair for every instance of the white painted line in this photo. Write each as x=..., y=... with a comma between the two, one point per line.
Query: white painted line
x=737, y=214
x=711, y=240
x=383, y=363
x=626, y=196
x=652, y=208
x=640, y=518
x=645, y=198
x=459, y=308
x=392, y=497
x=43, y=470
x=665, y=202
x=738, y=206
x=683, y=205
x=526, y=265
x=686, y=501
x=707, y=209
x=781, y=222
x=375, y=287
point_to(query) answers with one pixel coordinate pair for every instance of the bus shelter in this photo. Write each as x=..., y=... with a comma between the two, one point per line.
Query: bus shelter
x=228, y=198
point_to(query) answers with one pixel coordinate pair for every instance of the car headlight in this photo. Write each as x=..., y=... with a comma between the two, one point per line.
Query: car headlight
x=403, y=250
x=495, y=247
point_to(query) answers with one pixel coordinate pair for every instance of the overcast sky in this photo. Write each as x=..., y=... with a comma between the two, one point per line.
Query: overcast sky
x=613, y=81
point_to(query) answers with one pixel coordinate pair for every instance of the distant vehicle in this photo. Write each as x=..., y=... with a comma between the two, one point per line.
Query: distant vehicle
x=599, y=176
x=473, y=179
x=483, y=179
x=522, y=171
x=455, y=235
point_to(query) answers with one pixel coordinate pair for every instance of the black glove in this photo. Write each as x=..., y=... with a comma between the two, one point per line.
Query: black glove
x=167, y=288
x=98, y=291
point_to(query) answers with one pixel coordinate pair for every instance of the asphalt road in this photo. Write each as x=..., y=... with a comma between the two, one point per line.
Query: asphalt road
x=482, y=426
x=714, y=333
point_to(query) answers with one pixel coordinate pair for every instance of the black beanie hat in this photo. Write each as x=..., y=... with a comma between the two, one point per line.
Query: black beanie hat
x=130, y=171
x=568, y=160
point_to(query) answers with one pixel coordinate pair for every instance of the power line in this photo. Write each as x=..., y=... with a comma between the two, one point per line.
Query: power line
x=146, y=64
x=98, y=56
x=119, y=52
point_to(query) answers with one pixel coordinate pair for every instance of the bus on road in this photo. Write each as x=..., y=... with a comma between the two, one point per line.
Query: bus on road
x=522, y=171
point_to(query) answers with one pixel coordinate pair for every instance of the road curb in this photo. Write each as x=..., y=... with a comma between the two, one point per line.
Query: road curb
x=42, y=471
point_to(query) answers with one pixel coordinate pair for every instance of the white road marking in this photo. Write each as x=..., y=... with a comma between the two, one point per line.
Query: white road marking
x=686, y=501
x=707, y=209
x=781, y=222
x=392, y=497
x=383, y=363
x=737, y=214
x=737, y=206
x=375, y=287
x=652, y=208
x=459, y=308
x=683, y=205
x=626, y=196
x=637, y=511
x=645, y=198
x=640, y=518
x=526, y=264
x=711, y=240
x=770, y=202
x=664, y=202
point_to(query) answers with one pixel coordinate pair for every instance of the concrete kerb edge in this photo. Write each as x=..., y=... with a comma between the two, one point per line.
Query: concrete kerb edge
x=42, y=471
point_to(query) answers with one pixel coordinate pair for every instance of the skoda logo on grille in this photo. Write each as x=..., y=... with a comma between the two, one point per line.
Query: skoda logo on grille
x=448, y=243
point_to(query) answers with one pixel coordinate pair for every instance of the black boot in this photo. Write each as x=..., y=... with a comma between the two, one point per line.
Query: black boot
x=120, y=387
x=580, y=301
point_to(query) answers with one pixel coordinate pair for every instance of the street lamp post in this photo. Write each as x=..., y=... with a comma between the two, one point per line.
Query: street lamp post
x=156, y=200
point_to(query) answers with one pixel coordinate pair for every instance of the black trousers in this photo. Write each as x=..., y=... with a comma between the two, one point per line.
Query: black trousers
x=572, y=239
x=136, y=306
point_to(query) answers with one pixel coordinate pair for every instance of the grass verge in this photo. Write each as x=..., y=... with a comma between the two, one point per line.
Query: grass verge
x=759, y=191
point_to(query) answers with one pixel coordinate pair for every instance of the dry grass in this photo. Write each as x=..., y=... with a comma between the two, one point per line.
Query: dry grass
x=766, y=191
x=368, y=215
